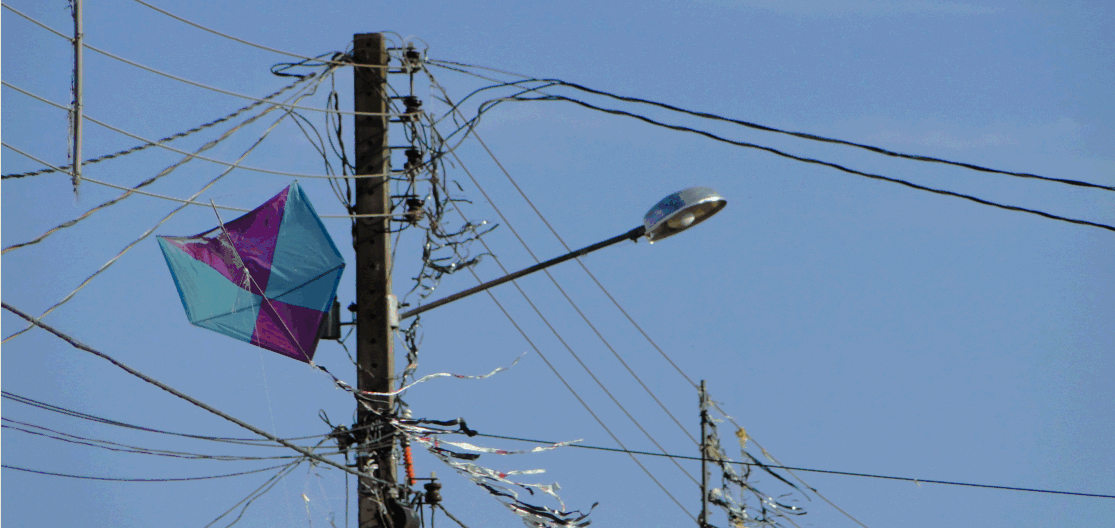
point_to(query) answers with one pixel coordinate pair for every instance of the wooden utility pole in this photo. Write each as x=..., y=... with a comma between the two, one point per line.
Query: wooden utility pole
x=79, y=96
x=375, y=356
x=702, y=520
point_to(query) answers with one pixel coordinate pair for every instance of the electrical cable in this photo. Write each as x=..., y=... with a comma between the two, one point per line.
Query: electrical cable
x=195, y=83
x=134, y=190
x=765, y=128
x=242, y=41
x=208, y=145
x=116, y=479
x=255, y=494
x=567, y=248
x=234, y=94
x=137, y=148
x=637, y=327
x=824, y=471
x=106, y=421
x=125, y=448
x=450, y=515
x=556, y=373
x=814, y=161
x=156, y=226
x=587, y=321
x=628, y=316
x=179, y=394
x=575, y=395
x=36, y=22
x=172, y=149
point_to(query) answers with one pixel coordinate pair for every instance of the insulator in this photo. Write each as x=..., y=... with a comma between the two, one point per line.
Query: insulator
x=413, y=56
x=408, y=459
x=343, y=436
x=414, y=210
x=414, y=160
x=413, y=106
x=433, y=492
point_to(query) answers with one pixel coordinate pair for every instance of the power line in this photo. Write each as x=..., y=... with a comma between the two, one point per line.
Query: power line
x=824, y=471
x=134, y=190
x=585, y=318
x=558, y=374
x=119, y=479
x=129, y=192
x=246, y=42
x=172, y=149
x=147, y=233
x=107, y=421
x=610, y=297
x=36, y=22
x=818, y=162
x=637, y=326
x=450, y=515
x=257, y=493
x=765, y=128
x=202, y=85
x=179, y=394
x=567, y=248
x=137, y=148
x=108, y=445
x=258, y=46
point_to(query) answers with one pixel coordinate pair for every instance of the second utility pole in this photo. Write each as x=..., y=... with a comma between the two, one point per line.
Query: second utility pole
x=375, y=341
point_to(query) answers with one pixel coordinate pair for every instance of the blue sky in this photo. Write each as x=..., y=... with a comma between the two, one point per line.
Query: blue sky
x=848, y=324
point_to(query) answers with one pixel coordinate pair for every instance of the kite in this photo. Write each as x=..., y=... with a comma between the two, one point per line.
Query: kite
x=267, y=278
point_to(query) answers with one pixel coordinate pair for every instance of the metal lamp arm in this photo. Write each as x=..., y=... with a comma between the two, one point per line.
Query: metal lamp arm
x=634, y=234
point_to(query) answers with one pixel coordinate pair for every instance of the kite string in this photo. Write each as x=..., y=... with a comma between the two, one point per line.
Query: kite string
x=309, y=361
x=165, y=218
x=248, y=275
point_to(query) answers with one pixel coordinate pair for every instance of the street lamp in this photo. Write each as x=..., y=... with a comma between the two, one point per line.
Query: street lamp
x=670, y=216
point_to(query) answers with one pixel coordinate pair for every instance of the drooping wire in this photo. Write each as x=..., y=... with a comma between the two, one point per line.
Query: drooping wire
x=156, y=226
x=554, y=369
x=450, y=515
x=635, y=324
x=814, y=161
x=525, y=246
x=108, y=445
x=179, y=394
x=179, y=151
x=814, y=470
x=757, y=126
x=208, y=145
x=116, y=423
x=170, y=198
x=593, y=327
x=255, y=494
x=121, y=479
x=240, y=40
x=179, y=135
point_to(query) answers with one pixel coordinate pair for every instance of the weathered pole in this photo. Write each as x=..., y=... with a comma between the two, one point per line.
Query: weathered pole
x=371, y=239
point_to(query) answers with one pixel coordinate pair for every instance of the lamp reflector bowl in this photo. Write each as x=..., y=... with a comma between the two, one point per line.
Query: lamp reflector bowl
x=680, y=211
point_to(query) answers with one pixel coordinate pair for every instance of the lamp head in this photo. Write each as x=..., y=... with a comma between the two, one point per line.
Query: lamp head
x=680, y=211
